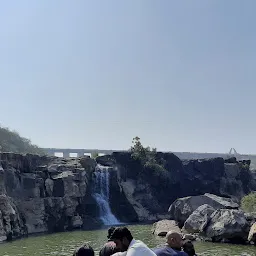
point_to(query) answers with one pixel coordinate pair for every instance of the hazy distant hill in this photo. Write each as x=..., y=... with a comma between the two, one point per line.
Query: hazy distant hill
x=11, y=141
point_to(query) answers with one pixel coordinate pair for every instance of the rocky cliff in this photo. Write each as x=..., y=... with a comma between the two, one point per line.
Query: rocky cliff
x=40, y=194
x=152, y=191
x=50, y=194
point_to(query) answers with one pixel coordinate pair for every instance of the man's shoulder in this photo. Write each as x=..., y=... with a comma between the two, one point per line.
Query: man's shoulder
x=167, y=251
x=183, y=254
x=162, y=251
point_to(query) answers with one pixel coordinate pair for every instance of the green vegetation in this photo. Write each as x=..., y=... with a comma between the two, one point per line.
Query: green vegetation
x=94, y=155
x=147, y=156
x=11, y=141
x=248, y=202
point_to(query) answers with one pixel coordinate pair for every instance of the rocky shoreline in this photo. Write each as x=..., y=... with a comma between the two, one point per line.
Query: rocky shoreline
x=41, y=194
x=209, y=218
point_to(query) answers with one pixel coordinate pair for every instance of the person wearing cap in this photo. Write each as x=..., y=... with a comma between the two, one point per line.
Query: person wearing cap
x=173, y=246
x=124, y=241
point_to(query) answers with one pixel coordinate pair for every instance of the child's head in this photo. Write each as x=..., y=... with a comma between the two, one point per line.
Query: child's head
x=188, y=247
x=85, y=250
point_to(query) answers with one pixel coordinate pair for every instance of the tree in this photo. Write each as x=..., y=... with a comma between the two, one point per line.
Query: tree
x=248, y=202
x=11, y=141
x=94, y=155
x=146, y=155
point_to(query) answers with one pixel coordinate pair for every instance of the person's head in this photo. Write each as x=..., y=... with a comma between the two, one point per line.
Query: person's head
x=174, y=240
x=85, y=250
x=122, y=237
x=108, y=249
x=110, y=231
x=188, y=247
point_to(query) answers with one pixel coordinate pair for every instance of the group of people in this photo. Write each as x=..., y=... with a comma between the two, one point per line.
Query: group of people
x=121, y=243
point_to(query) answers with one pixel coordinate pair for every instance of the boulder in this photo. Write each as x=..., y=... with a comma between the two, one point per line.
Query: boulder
x=76, y=222
x=198, y=220
x=182, y=208
x=252, y=234
x=189, y=237
x=161, y=227
x=228, y=225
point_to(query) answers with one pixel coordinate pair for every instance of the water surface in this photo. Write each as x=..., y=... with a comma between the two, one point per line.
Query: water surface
x=62, y=244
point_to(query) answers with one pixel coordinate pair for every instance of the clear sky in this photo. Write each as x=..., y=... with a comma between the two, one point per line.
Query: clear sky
x=94, y=74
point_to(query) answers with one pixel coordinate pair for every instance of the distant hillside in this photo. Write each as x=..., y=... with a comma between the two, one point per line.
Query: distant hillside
x=11, y=141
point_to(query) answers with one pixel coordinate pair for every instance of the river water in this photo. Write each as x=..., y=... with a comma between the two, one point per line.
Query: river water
x=62, y=244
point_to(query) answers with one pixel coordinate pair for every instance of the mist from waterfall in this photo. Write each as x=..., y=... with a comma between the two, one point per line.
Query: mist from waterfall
x=101, y=195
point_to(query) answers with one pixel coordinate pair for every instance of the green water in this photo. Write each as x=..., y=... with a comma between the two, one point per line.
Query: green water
x=65, y=243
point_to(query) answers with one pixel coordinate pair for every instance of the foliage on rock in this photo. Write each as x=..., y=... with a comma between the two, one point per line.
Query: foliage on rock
x=248, y=202
x=11, y=141
x=146, y=155
x=94, y=155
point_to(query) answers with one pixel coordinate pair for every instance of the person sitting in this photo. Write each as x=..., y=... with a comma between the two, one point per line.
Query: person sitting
x=188, y=247
x=173, y=247
x=85, y=250
x=109, y=248
x=124, y=242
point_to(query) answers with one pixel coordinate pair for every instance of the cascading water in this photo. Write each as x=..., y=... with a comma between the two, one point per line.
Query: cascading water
x=101, y=195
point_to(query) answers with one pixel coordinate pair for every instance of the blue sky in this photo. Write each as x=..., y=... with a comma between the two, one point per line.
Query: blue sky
x=95, y=74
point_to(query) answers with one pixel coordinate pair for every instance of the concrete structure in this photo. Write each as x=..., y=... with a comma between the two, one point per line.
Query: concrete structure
x=66, y=152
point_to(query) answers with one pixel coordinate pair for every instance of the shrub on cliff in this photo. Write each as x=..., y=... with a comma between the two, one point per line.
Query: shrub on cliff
x=248, y=202
x=147, y=156
x=11, y=141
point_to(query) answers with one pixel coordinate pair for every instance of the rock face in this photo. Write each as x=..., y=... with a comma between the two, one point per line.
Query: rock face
x=199, y=219
x=161, y=227
x=50, y=194
x=151, y=192
x=228, y=224
x=252, y=234
x=182, y=208
x=41, y=194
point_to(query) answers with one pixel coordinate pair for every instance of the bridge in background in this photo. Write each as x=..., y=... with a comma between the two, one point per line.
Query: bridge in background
x=68, y=152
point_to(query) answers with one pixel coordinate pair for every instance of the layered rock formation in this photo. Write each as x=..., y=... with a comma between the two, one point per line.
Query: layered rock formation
x=50, y=194
x=151, y=192
x=40, y=194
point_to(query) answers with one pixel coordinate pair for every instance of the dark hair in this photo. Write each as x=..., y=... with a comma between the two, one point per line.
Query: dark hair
x=85, y=250
x=120, y=233
x=110, y=231
x=188, y=247
x=108, y=249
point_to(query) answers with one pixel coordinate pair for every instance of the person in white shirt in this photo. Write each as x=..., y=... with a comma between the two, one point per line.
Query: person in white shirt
x=124, y=241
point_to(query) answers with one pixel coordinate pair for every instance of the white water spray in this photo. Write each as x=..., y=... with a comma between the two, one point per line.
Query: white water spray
x=101, y=195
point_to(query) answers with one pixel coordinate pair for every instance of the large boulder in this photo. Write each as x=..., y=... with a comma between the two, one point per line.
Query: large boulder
x=198, y=220
x=252, y=234
x=228, y=225
x=182, y=208
x=161, y=227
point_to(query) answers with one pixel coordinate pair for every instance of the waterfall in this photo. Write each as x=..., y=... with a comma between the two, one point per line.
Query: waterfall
x=101, y=195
